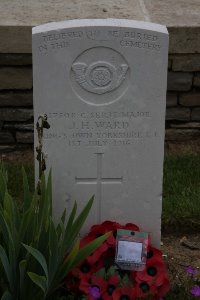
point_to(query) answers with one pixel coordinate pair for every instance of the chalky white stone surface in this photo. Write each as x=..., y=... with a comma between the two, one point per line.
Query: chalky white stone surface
x=102, y=84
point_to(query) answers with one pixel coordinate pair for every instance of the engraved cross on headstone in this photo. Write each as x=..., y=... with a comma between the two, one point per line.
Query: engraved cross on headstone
x=99, y=180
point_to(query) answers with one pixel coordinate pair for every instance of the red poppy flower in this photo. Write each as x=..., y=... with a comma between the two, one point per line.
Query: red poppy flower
x=104, y=227
x=154, y=273
x=72, y=283
x=152, y=282
x=107, y=259
x=111, y=285
x=164, y=288
x=96, y=231
x=87, y=239
x=95, y=256
x=93, y=288
x=109, y=226
x=153, y=252
x=85, y=269
x=123, y=293
x=132, y=276
x=109, y=243
x=130, y=226
x=143, y=289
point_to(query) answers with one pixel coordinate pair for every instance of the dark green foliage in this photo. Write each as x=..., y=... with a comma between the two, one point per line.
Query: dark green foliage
x=35, y=253
x=181, y=190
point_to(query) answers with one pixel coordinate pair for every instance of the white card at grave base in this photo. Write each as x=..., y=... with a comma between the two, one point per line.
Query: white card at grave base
x=129, y=251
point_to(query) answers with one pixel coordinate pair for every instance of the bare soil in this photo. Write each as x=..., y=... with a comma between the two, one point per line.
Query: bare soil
x=178, y=148
x=19, y=156
x=178, y=257
x=184, y=254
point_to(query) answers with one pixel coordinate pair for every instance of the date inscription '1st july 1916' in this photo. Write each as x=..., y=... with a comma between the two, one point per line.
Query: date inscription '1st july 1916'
x=86, y=129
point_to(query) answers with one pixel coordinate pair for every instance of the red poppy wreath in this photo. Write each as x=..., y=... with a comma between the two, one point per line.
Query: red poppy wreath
x=97, y=277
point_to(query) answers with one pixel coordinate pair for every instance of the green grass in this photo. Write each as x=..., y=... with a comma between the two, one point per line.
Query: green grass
x=15, y=182
x=181, y=190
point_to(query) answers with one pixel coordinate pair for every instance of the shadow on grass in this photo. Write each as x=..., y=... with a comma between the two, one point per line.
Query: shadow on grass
x=181, y=193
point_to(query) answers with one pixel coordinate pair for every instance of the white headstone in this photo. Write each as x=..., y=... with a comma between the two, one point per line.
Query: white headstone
x=102, y=84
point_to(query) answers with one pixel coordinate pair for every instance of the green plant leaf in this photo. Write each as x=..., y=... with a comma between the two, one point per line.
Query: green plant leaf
x=60, y=232
x=22, y=270
x=63, y=217
x=73, y=231
x=7, y=267
x=101, y=273
x=32, y=223
x=42, y=205
x=26, y=219
x=11, y=217
x=45, y=203
x=39, y=281
x=125, y=280
x=48, y=201
x=111, y=271
x=3, y=182
x=8, y=238
x=88, y=249
x=9, y=224
x=39, y=257
x=7, y=296
x=63, y=265
x=27, y=196
x=10, y=211
x=49, y=192
x=81, y=255
x=53, y=251
x=73, y=253
x=4, y=171
x=71, y=217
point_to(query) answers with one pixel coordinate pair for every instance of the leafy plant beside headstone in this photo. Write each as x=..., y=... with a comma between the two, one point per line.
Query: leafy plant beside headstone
x=35, y=253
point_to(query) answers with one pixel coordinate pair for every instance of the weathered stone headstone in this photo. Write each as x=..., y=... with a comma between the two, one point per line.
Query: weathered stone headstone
x=102, y=84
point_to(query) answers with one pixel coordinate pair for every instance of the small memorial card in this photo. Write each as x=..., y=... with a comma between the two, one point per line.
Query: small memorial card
x=131, y=249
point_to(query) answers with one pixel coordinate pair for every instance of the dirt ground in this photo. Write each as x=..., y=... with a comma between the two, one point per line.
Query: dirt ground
x=19, y=156
x=178, y=257
x=184, y=255
x=177, y=148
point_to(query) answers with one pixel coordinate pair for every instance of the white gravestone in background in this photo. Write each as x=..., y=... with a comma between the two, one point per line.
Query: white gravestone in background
x=102, y=84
